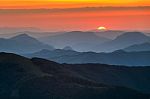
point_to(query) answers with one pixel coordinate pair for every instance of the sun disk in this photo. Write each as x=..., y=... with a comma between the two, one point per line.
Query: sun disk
x=101, y=28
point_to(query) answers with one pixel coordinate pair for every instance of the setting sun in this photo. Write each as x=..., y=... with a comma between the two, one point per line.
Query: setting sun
x=101, y=28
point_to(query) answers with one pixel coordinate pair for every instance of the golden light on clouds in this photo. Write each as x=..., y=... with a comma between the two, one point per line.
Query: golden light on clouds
x=69, y=3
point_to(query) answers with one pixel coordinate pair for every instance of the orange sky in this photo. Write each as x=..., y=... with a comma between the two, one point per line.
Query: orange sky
x=69, y=3
x=129, y=18
x=136, y=19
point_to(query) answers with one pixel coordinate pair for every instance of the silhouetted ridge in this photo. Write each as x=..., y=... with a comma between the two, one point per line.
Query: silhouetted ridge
x=23, y=78
x=125, y=40
x=22, y=44
x=119, y=57
x=132, y=35
x=78, y=40
x=22, y=62
x=119, y=51
x=138, y=47
x=22, y=36
x=36, y=59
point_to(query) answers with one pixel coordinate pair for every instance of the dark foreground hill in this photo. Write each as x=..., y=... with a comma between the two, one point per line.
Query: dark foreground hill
x=22, y=78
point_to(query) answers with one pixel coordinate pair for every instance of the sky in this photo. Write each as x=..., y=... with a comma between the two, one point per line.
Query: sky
x=61, y=15
x=69, y=3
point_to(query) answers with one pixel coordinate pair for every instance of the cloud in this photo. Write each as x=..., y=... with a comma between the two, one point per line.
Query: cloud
x=63, y=10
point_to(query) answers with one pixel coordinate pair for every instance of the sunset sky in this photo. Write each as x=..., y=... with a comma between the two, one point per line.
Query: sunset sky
x=58, y=15
x=69, y=3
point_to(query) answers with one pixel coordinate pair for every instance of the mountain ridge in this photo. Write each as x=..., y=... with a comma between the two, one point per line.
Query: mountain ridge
x=119, y=57
x=125, y=40
x=22, y=43
x=78, y=40
x=138, y=47
x=48, y=79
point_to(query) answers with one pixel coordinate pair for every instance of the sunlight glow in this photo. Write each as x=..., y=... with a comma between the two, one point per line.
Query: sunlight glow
x=101, y=28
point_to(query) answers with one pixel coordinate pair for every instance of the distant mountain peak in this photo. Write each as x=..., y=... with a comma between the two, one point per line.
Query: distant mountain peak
x=138, y=47
x=123, y=41
x=22, y=43
x=133, y=37
x=78, y=40
x=22, y=36
x=132, y=34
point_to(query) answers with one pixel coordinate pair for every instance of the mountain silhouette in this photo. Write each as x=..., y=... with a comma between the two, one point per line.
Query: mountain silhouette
x=22, y=44
x=67, y=48
x=52, y=54
x=80, y=41
x=23, y=78
x=22, y=37
x=138, y=47
x=119, y=57
x=125, y=40
x=111, y=34
x=11, y=31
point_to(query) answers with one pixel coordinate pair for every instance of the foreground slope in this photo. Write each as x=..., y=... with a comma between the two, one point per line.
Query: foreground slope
x=131, y=77
x=22, y=78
